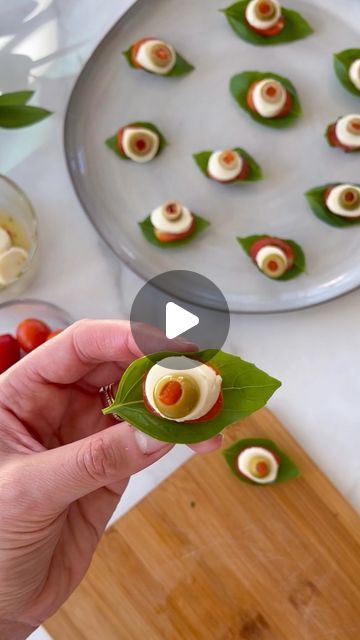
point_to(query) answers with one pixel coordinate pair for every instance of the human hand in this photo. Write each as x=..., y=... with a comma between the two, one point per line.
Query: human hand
x=63, y=465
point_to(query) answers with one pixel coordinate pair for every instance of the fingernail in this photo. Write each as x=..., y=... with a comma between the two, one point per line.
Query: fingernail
x=147, y=444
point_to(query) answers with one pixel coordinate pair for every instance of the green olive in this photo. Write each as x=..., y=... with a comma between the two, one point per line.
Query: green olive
x=274, y=266
x=350, y=198
x=265, y=10
x=176, y=395
x=259, y=467
x=140, y=142
x=172, y=211
x=354, y=126
x=161, y=55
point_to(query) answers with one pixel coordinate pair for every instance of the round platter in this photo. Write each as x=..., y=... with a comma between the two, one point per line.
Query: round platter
x=197, y=112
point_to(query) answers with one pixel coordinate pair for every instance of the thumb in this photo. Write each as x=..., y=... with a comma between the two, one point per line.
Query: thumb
x=62, y=475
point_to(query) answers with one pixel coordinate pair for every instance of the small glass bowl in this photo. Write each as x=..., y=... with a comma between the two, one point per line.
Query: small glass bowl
x=14, y=203
x=11, y=313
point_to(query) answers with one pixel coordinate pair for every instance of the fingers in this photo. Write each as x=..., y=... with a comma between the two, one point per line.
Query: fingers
x=60, y=476
x=208, y=445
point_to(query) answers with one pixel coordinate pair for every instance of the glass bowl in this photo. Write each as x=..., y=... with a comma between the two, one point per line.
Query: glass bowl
x=18, y=216
x=11, y=313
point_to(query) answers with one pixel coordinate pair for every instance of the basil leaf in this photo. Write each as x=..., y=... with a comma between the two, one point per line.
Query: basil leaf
x=245, y=389
x=240, y=84
x=15, y=116
x=342, y=62
x=255, y=172
x=148, y=231
x=287, y=469
x=16, y=97
x=316, y=200
x=180, y=68
x=295, y=26
x=111, y=142
x=299, y=258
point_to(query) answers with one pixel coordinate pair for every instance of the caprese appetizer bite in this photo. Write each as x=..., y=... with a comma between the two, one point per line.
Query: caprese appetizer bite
x=276, y=258
x=259, y=461
x=138, y=141
x=157, y=57
x=229, y=166
x=266, y=22
x=267, y=97
x=336, y=204
x=347, y=69
x=345, y=133
x=190, y=397
x=172, y=224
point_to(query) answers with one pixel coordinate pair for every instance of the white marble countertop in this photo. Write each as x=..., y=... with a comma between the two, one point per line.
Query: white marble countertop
x=315, y=352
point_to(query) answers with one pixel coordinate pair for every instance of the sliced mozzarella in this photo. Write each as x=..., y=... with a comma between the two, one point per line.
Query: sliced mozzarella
x=160, y=222
x=5, y=240
x=246, y=457
x=354, y=73
x=145, y=59
x=126, y=143
x=219, y=171
x=268, y=108
x=12, y=263
x=346, y=137
x=333, y=201
x=208, y=381
x=265, y=252
x=255, y=21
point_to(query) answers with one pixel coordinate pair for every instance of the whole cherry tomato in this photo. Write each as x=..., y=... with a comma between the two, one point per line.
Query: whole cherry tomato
x=52, y=334
x=31, y=333
x=9, y=351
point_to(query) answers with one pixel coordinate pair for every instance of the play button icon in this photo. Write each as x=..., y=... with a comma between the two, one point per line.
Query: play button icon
x=178, y=320
x=170, y=304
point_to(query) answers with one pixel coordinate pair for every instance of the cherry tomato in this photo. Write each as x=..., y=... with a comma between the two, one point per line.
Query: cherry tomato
x=9, y=351
x=52, y=334
x=31, y=333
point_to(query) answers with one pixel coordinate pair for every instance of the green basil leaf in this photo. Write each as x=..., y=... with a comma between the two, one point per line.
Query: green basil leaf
x=287, y=469
x=255, y=172
x=316, y=200
x=342, y=62
x=111, y=142
x=16, y=97
x=180, y=68
x=148, y=231
x=299, y=258
x=240, y=84
x=245, y=389
x=15, y=116
x=295, y=26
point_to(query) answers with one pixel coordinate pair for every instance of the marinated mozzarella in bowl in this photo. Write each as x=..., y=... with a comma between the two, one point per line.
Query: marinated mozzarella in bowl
x=184, y=393
x=269, y=97
x=258, y=464
x=344, y=200
x=172, y=217
x=156, y=56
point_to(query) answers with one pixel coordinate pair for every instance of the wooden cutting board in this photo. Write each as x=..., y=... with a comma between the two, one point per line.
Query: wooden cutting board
x=205, y=556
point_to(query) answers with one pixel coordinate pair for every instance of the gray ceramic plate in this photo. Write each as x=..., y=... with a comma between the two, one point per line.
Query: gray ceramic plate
x=197, y=112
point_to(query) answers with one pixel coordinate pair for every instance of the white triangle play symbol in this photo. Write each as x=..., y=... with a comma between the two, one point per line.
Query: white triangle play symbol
x=178, y=320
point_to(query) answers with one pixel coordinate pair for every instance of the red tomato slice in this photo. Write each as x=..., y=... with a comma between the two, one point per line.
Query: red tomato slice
x=9, y=351
x=272, y=242
x=165, y=236
x=135, y=48
x=250, y=102
x=31, y=333
x=271, y=31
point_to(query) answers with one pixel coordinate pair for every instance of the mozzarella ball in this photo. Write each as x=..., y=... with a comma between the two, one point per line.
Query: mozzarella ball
x=354, y=73
x=194, y=388
x=272, y=261
x=258, y=464
x=156, y=56
x=269, y=97
x=225, y=166
x=347, y=130
x=164, y=219
x=263, y=14
x=344, y=200
x=12, y=264
x=5, y=240
x=140, y=144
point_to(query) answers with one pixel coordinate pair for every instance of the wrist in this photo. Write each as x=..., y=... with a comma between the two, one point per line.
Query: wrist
x=14, y=630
